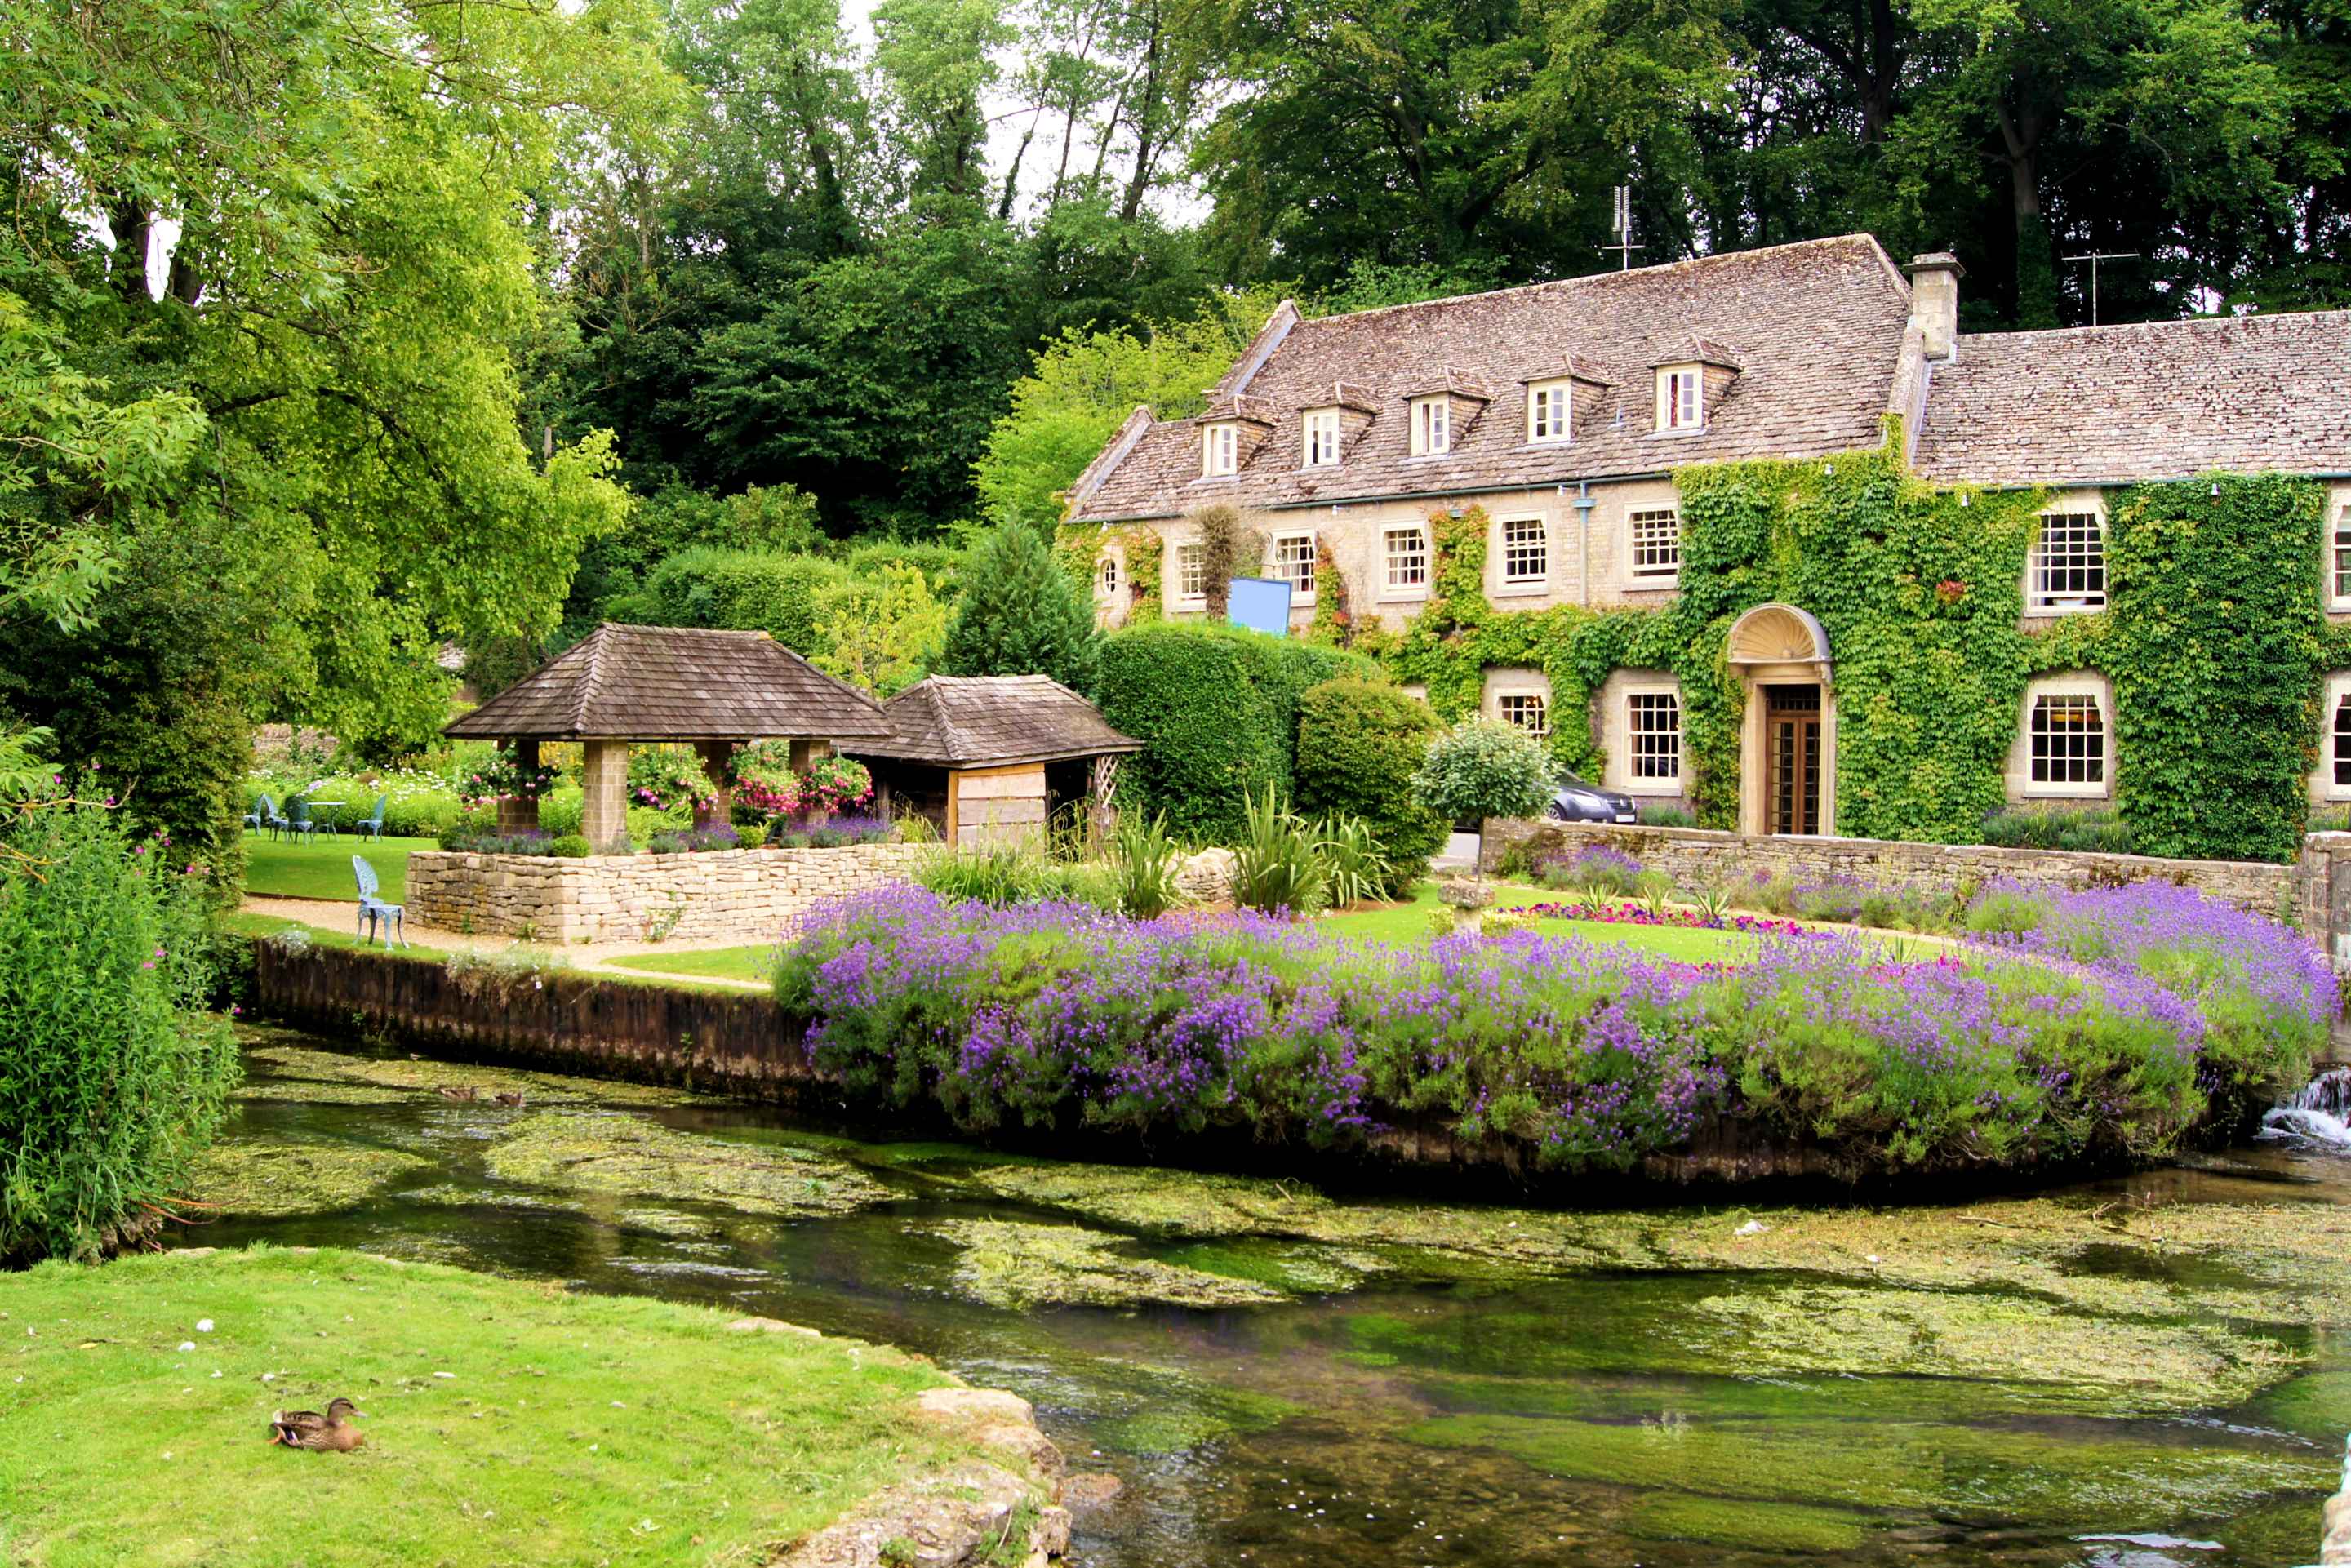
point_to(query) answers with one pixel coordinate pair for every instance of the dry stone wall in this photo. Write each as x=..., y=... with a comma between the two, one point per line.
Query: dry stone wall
x=1701, y=857
x=754, y=895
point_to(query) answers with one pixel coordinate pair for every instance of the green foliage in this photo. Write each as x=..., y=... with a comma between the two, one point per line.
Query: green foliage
x=743, y=591
x=112, y=1076
x=1360, y=743
x=881, y=632
x=1481, y=769
x=1141, y=867
x=1003, y=876
x=1355, y=869
x=2215, y=661
x=569, y=847
x=2057, y=828
x=1276, y=867
x=1217, y=710
x=1020, y=615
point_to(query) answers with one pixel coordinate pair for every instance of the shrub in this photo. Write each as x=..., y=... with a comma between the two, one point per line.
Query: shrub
x=1005, y=876
x=1020, y=615
x=1141, y=867
x=1354, y=869
x=1666, y=817
x=1217, y=710
x=1484, y=769
x=1360, y=743
x=112, y=1076
x=2056, y=827
x=1275, y=868
x=746, y=590
x=752, y=835
x=569, y=847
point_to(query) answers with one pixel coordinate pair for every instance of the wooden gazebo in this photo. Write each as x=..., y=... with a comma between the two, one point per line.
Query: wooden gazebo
x=678, y=684
x=985, y=757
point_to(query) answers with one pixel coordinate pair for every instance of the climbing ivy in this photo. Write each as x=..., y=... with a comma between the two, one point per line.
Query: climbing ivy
x=2213, y=641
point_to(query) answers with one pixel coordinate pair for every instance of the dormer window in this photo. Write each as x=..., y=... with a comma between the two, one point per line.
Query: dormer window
x=1432, y=426
x=1321, y=438
x=1548, y=410
x=1220, y=450
x=1681, y=398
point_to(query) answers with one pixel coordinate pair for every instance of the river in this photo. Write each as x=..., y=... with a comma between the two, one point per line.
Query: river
x=2127, y=1373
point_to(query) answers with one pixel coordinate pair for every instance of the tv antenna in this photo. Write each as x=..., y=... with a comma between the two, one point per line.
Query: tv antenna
x=1621, y=227
x=2094, y=257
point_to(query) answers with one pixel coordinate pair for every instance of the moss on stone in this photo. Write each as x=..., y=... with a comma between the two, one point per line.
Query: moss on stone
x=1744, y=1523
x=271, y=1180
x=1012, y=1265
x=612, y=1152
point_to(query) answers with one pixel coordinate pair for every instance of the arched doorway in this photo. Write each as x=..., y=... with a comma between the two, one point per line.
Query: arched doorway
x=1787, y=750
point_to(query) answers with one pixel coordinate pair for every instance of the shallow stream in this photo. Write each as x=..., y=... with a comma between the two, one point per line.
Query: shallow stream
x=2126, y=1375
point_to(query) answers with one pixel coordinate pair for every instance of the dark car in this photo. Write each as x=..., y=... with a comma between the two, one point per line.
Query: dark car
x=1577, y=801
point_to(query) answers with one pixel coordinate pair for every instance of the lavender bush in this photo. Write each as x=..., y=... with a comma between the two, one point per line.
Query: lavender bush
x=2108, y=1029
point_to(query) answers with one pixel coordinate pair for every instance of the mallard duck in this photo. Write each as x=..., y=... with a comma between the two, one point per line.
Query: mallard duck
x=511, y=1098
x=309, y=1429
x=458, y=1091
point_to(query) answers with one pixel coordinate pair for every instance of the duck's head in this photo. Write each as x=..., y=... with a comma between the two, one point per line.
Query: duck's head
x=341, y=1409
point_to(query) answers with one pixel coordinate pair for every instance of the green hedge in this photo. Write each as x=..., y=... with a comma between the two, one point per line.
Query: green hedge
x=1217, y=710
x=1359, y=744
x=744, y=590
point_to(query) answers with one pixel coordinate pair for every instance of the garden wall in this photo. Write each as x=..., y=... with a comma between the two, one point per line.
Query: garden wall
x=753, y=894
x=1698, y=856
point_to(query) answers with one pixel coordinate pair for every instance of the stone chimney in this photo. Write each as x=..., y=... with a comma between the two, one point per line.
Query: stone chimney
x=1935, y=301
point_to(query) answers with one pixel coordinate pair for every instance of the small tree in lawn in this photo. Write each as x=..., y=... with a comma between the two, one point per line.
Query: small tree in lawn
x=1020, y=615
x=1481, y=769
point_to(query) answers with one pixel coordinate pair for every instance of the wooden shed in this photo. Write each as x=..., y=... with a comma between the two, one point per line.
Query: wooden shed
x=988, y=759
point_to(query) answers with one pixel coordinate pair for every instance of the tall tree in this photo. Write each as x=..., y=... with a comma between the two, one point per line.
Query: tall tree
x=1020, y=615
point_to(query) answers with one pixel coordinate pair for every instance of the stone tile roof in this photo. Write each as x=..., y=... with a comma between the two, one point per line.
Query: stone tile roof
x=2155, y=400
x=675, y=683
x=991, y=721
x=1817, y=326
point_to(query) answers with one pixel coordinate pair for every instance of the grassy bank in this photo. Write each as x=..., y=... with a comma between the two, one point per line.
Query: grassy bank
x=508, y=1422
x=321, y=867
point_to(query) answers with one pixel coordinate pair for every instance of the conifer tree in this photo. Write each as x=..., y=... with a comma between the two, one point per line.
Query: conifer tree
x=1020, y=615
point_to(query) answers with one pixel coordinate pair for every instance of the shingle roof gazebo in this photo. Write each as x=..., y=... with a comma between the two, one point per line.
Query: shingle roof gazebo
x=979, y=753
x=672, y=683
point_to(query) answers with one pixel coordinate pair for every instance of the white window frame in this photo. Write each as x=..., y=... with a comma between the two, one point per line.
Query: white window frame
x=1647, y=699
x=1301, y=580
x=2338, y=556
x=2073, y=695
x=2323, y=785
x=1220, y=450
x=1505, y=701
x=1550, y=412
x=1652, y=574
x=1391, y=559
x=1681, y=398
x=1432, y=426
x=1186, y=561
x=2038, y=567
x=1508, y=581
x=1320, y=435
x=1106, y=573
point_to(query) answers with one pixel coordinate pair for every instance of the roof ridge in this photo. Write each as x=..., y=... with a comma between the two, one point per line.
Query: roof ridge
x=2140, y=326
x=1710, y=258
x=592, y=679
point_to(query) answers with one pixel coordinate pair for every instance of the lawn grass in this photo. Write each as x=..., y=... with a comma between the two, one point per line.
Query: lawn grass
x=753, y=963
x=1407, y=924
x=242, y=922
x=506, y=1421
x=321, y=867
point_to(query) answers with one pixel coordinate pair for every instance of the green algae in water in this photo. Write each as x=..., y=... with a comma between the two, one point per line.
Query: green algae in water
x=1291, y=1268
x=1953, y=1472
x=607, y=1151
x=1012, y=1265
x=402, y=1077
x=1164, y=1410
x=1745, y=1522
x=270, y=1180
x=2318, y=1407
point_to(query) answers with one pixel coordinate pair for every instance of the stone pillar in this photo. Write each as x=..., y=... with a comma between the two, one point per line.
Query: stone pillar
x=604, y=776
x=805, y=751
x=716, y=756
x=2335, y=1547
x=522, y=815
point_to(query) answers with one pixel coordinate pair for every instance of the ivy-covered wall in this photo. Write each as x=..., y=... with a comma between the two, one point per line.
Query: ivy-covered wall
x=2213, y=641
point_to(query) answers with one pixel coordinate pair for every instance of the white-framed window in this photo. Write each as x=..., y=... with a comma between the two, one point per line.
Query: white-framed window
x=1192, y=571
x=1432, y=426
x=1321, y=437
x=1653, y=732
x=1220, y=450
x=1548, y=414
x=1530, y=711
x=1681, y=398
x=1406, y=549
x=1526, y=550
x=1655, y=548
x=1106, y=577
x=1294, y=562
x=2065, y=744
x=2339, y=564
x=2338, y=747
x=2067, y=569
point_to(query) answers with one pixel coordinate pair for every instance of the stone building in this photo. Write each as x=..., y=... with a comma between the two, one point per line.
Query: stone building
x=1563, y=410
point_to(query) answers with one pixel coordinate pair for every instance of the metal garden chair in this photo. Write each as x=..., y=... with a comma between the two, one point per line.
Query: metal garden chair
x=372, y=827
x=297, y=820
x=272, y=817
x=374, y=912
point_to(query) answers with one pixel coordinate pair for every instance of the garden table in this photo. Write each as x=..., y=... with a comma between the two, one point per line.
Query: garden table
x=326, y=824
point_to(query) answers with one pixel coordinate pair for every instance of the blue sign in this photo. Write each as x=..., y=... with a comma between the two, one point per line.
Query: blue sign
x=1259, y=603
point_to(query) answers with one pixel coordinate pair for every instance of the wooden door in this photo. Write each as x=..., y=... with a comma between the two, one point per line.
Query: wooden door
x=1791, y=720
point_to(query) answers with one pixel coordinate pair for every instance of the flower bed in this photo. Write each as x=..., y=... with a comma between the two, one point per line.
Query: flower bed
x=2100, y=1028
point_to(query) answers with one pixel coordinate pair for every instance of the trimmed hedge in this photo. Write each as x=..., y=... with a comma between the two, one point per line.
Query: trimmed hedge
x=743, y=591
x=1359, y=744
x=1217, y=710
